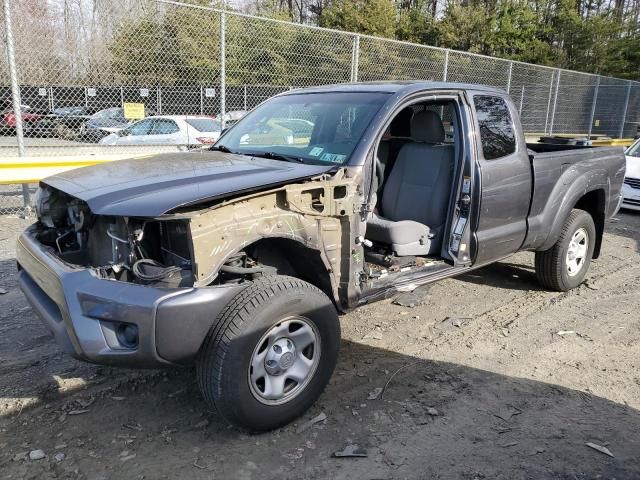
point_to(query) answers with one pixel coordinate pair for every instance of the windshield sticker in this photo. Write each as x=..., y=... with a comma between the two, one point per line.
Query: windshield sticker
x=466, y=185
x=316, y=151
x=333, y=157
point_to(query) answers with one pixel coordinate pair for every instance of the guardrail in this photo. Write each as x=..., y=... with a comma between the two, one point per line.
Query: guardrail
x=19, y=175
x=22, y=170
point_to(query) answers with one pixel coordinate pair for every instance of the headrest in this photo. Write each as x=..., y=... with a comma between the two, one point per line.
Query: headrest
x=401, y=124
x=427, y=127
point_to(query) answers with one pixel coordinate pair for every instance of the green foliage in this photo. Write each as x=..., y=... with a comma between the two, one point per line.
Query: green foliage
x=517, y=34
x=371, y=17
x=465, y=28
x=181, y=45
x=416, y=24
x=180, y=48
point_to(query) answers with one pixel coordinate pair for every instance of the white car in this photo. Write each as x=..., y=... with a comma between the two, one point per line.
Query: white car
x=192, y=131
x=631, y=186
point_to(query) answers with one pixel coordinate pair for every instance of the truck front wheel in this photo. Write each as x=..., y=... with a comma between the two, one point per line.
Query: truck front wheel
x=565, y=265
x=270, y=354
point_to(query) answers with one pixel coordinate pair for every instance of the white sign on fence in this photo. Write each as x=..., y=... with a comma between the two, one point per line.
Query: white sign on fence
x=144, y=92
x=209, y=92
x=42, y=92
x=91, y=92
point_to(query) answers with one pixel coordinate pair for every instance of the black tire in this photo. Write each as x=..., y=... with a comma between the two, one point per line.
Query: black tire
x=551, y=265
x=223, y=362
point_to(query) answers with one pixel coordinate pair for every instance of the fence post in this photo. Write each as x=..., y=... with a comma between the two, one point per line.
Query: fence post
x=223, y=73
x=546, y=118
x=201, y=102
x=245, y=98
x=509, y=81
x=159, y=100
x=122, y=97
x=593, y=108
x=555, y=103
x=355, y=58
x=445, y=72
x=624, y=111
x=15, y=96
x=521, y=100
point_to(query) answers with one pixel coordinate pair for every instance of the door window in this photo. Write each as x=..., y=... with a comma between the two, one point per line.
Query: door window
x=143, y=127
x=164, y=126
x=497, y=133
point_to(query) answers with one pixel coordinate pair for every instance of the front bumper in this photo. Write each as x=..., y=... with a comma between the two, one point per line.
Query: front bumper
x=84, y=311
x=631, y=197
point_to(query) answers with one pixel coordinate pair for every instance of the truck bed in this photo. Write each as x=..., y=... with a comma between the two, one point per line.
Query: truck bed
x=562, y=176
x=539, y=147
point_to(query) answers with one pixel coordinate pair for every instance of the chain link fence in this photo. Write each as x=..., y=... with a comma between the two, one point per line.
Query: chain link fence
x=77, y=72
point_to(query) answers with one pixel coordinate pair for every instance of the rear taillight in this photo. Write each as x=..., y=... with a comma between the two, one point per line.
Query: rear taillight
x=10, y=119
x=206, y=140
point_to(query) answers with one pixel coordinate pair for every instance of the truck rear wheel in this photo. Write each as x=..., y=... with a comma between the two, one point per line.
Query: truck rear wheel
x=565, y=265
x=270, y=354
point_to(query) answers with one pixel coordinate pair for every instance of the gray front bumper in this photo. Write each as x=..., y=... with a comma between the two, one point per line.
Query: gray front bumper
x=83, y=311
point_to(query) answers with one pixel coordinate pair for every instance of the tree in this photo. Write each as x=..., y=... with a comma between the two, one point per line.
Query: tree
x=517, y=33
x=465, y=27
x=371, y=17
x=180, y=47
x=416, y=21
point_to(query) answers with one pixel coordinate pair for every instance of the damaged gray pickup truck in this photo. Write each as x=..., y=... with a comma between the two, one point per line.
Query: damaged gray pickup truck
x=239, y=259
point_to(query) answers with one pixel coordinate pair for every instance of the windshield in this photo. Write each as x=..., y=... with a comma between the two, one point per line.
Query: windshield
x=634, y=150
x=108, y=113
x=318, y=128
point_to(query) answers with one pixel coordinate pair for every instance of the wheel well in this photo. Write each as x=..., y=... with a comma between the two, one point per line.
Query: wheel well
x=292, y=258
x=594, y=204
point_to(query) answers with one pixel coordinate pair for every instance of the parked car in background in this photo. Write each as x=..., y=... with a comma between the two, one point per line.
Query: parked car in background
x=631, y=187
x=70, y=111
x=8, y=119
x=103, y=123
x=168, y=130
x=63, y=122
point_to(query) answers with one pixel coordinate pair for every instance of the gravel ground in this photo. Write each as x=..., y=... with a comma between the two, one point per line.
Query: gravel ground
x=480, y=384
x=10, y=228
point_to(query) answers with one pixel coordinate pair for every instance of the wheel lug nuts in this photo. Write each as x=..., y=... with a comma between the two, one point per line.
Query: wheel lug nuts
x=277, y=349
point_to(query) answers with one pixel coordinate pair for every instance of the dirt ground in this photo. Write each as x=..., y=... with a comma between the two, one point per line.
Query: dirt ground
x=480, y=384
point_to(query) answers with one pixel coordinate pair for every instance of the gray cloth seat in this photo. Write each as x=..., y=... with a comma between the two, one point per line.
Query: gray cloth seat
x=415, y=198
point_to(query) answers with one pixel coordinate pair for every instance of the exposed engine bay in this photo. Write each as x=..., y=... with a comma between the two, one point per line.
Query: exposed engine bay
x=145, y=251
x=129, y=249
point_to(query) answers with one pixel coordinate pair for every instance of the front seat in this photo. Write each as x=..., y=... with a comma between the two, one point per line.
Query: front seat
x=415, y=198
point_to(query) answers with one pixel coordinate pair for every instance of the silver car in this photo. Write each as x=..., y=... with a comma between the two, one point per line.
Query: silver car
x=192, y=131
